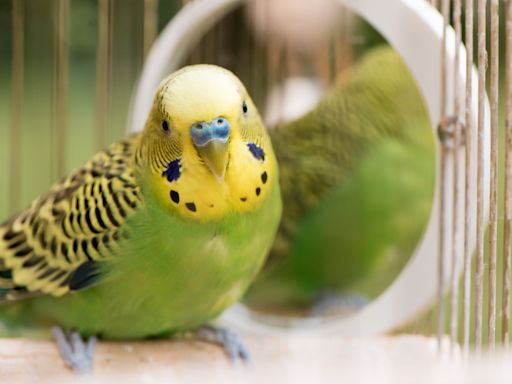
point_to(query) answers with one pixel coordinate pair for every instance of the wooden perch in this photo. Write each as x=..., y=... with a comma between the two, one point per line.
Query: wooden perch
x=298, y=359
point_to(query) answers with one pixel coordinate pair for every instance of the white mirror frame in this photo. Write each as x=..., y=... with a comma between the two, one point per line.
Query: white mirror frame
x=415, y=30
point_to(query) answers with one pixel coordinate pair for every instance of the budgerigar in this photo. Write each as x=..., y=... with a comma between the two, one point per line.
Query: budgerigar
x=157, y=234
x=357, y=178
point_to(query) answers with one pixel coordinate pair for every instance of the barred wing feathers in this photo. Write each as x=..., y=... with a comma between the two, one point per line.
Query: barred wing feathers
x=56, y=245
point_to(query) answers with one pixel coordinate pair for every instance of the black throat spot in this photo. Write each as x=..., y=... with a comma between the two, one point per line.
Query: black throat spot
x=191, y=206
x=175, y=196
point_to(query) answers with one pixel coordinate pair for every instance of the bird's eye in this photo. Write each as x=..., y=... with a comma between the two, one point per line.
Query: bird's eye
x=244, y=108
x=165, y=125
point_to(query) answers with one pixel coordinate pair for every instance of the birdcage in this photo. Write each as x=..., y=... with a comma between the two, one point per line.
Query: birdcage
x=78, y=75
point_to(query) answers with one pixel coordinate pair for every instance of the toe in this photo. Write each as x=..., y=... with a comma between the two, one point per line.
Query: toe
x=231, y=342
x=238, y=350
x=77, y=354
x=91, y=347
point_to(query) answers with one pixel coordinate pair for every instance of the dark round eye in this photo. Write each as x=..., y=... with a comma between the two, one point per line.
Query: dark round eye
x=165, y=125
x=244, y=108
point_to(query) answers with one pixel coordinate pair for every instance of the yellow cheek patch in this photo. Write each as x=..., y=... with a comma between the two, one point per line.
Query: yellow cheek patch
x=249, y=178
x=195, y=193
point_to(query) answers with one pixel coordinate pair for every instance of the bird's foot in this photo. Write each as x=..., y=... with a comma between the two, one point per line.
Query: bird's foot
x=76, y=353
x=329, y=303
x=232, y=342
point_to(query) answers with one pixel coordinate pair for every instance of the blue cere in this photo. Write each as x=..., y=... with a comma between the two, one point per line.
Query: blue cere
x=173, y=172
x=202, y=132
x=256, y=151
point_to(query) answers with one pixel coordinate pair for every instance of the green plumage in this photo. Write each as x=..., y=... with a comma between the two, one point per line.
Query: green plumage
x=110, y=251
x=357, y=177
x=206, y=268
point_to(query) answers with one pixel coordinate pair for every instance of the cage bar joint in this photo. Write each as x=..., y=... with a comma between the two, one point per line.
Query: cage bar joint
x=447, y=129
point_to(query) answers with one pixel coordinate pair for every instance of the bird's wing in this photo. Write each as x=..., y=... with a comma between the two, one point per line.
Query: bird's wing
x=56, y=245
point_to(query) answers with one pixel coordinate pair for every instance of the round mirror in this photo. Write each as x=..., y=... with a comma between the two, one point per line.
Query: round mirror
x=359, y=189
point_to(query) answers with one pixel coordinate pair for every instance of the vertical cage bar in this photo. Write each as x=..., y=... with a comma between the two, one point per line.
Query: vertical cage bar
x=17, y=64
x=211, y=41
x=103, y=72
x=468, y=146
x=443, y=184
x=493, y=231
x=257, y=62
x=150, y=24
x=283, y=70
x=479, y=272
x=271, y=52
x=60, y=90
x=332, y=61
x=508, y=178
x=456, y=17
x=196, y=56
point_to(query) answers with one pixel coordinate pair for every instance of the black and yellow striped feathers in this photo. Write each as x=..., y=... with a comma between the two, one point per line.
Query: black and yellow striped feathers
x=55, y=245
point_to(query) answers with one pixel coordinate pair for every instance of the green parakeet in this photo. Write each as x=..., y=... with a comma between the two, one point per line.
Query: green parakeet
x=357, y=179
x=157, y=234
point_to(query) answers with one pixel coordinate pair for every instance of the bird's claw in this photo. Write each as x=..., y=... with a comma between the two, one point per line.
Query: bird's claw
x=230, y=341
x=76, y=353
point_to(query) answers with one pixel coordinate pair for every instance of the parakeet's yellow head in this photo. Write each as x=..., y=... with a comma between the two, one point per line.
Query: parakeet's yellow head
x=204, y=146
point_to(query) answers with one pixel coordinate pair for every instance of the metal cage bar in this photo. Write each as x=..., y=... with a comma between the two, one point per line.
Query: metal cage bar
x=493, y=219
x=444, y=188
x=479, y=272
x=508, y=179
x=103, y=63
x=150, y=24
x=17, y=67
x=456, y=230
x=468, y=148
x=60, y=89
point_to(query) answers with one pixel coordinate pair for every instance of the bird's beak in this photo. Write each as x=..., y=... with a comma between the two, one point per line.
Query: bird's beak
x=215, y=155
x=211, y=140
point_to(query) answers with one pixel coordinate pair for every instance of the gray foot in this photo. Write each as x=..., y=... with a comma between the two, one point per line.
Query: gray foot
x=233, y=345
x=76, y=353
x=330, y=303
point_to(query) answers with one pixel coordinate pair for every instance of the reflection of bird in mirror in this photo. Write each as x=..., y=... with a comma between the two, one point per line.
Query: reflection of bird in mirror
x=357, y=178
